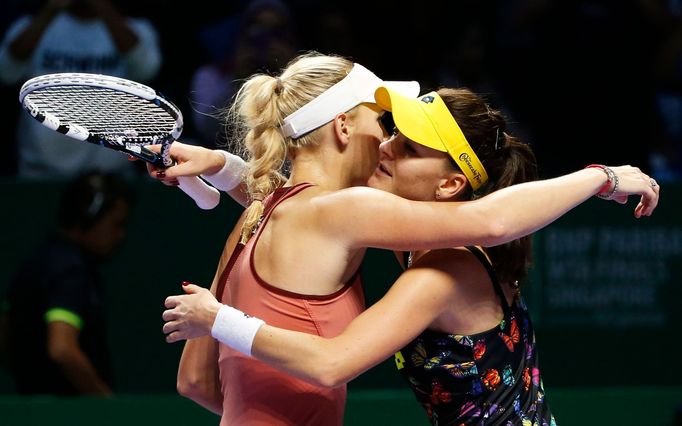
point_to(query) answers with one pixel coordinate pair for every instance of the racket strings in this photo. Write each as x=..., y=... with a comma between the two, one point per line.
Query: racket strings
x=112, y=114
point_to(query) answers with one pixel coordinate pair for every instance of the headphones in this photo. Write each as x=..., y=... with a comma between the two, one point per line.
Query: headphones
x=86, y=198
x=96, y=184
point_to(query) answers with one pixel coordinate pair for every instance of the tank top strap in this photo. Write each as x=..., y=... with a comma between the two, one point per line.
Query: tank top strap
x=274, y=199
x=281, y=194
x=270, y=202
x=493, y=277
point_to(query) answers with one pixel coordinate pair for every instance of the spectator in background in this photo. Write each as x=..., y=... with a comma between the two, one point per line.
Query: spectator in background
x=261, y=39
x=54, y=325
x=74, y=36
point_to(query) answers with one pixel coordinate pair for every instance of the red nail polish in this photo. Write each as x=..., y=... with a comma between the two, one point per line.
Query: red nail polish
x=160, y=174
x=186, y=283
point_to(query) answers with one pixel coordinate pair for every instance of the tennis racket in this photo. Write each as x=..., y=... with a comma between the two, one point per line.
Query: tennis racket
x=114, y=113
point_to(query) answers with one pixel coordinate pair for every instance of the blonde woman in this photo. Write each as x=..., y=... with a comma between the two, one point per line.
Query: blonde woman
x=293, y=258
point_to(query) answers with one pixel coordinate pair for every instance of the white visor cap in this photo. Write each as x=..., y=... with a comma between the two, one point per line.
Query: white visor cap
x=355, y=88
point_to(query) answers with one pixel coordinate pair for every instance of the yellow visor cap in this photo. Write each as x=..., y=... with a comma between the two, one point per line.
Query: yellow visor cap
x=427, y=121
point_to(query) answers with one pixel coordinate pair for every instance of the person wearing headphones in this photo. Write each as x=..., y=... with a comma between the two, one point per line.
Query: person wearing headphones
x=54, y=317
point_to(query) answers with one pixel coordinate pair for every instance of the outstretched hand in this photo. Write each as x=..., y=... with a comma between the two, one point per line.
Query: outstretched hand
x=632, y=181
x=190, y=161
x=190, y=315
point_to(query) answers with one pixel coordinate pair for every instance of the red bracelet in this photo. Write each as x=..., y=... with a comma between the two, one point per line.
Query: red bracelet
x=607, y=185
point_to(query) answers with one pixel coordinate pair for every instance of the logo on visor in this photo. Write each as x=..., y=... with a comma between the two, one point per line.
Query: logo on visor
x=467, y=160
x=427, y=99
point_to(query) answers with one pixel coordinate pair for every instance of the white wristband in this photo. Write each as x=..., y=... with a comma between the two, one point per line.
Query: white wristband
x=235, y=329
x=231, y=175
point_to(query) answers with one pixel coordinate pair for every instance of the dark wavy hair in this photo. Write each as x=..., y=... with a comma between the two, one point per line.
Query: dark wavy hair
x=507, y=160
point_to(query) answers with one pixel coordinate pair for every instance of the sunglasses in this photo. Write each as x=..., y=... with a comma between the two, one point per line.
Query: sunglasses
x=387, y=123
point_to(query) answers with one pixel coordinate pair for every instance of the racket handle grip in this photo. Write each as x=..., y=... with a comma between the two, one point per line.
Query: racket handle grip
x=206, y=196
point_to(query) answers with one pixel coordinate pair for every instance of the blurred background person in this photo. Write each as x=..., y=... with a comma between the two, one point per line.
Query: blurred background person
x=55, y=333
x=259, y=39
x=74, y=36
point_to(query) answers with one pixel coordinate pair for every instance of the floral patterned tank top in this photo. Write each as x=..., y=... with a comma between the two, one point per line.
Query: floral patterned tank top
x=489, y=378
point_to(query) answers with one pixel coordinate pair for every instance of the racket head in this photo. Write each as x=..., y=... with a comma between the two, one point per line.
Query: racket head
x=109, y=111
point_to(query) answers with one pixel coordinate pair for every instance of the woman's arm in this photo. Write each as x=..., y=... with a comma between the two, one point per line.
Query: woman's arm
x=379, y=219
x=198, y=374
x=220, y=168
x=64, y=350
x=198, y=377
x=417, y=298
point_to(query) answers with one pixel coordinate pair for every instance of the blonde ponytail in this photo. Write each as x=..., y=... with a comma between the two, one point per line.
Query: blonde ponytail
x=268, y=155
x=256, y=114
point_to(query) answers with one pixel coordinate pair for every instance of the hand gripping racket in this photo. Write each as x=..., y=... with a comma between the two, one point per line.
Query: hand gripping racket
x=114, y=113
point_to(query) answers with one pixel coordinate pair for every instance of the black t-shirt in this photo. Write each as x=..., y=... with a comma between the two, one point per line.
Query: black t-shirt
x=57, y=275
